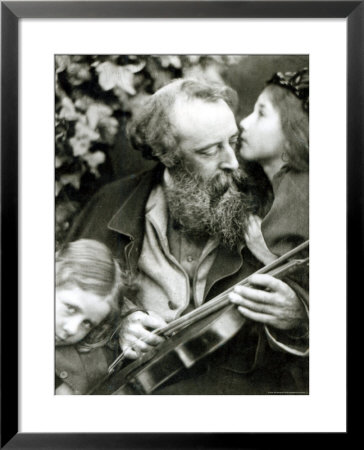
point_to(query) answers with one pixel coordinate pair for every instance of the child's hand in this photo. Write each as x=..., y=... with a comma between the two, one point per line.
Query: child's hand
x=135, y=335
x=255, y=241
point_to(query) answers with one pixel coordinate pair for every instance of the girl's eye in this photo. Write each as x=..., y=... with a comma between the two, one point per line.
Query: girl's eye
x=70, y=309
x=87, y=324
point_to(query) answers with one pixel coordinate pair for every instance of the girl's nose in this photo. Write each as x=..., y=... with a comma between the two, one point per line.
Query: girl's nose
x=71, y=326
x=244, y=124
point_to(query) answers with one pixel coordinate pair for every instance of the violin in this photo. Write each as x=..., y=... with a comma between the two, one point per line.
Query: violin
x=190, y=338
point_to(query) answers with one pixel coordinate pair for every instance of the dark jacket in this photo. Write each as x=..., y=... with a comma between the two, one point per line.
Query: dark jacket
x=115, y=216
x=79, y=370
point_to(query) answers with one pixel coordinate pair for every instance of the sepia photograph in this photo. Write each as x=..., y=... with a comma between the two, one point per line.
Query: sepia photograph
x=181, y=224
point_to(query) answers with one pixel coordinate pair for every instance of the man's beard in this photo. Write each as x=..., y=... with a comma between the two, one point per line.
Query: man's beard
x=217, y=207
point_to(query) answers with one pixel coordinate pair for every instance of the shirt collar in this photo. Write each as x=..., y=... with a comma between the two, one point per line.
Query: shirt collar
x=156, y=210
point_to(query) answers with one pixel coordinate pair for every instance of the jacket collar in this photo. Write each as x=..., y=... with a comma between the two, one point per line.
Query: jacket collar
x=227, y=262
x=129, y=219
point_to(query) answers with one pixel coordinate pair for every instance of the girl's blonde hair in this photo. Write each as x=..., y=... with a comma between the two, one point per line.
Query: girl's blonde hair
x=90, y=265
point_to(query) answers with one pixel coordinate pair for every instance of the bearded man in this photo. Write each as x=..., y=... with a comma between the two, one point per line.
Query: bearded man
x=180, y=229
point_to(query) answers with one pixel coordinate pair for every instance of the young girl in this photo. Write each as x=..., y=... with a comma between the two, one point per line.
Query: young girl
x=89, y=287
x=275, y=135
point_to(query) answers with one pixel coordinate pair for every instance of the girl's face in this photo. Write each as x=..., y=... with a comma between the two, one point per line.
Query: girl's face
x=262, y=137
x=77, y=313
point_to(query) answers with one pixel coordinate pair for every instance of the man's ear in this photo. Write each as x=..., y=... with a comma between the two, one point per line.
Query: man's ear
x=167, y=162
x=170, y=159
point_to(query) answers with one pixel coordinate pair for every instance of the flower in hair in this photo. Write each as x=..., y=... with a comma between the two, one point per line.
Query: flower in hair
x=296, y=82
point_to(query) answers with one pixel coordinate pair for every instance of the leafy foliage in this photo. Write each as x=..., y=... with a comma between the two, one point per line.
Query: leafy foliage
x=94, y=95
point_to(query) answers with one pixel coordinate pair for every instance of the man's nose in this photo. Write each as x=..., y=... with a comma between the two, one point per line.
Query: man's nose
x=229, y=161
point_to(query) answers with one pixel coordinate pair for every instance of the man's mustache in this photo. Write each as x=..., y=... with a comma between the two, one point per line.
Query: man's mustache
x=215, y=186
x=225, y=180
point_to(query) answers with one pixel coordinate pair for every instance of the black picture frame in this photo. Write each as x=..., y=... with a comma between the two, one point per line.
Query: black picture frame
x=11, y=12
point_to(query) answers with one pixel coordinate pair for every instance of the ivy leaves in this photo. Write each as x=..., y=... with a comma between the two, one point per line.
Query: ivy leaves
x=113, y=76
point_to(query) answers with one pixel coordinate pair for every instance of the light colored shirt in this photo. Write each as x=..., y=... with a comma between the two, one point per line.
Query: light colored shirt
x=172, y=268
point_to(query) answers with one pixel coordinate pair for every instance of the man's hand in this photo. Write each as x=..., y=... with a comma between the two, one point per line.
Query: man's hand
x=277, y=306
x=135, y=335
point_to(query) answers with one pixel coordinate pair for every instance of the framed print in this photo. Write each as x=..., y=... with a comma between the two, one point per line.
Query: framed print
x=97, y=56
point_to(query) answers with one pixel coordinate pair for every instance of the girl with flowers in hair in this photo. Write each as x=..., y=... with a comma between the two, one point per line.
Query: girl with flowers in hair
x=276, y=135
x=89, y=291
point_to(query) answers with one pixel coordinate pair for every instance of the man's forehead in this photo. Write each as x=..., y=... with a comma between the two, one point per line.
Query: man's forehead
x=182, y=104
x=194, y=115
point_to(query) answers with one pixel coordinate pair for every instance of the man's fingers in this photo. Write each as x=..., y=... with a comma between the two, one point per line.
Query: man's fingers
x=133, y=346
x=252, y=306
x=129, y=353
x=137, y=331
x=127, y=346
x=142, y=346
x=256, y=295
x=267, y=282
x=136, y=316
x=152, y=321
x=135, y=338
x=151, y=339
x=148, y=319
x=256, y=317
